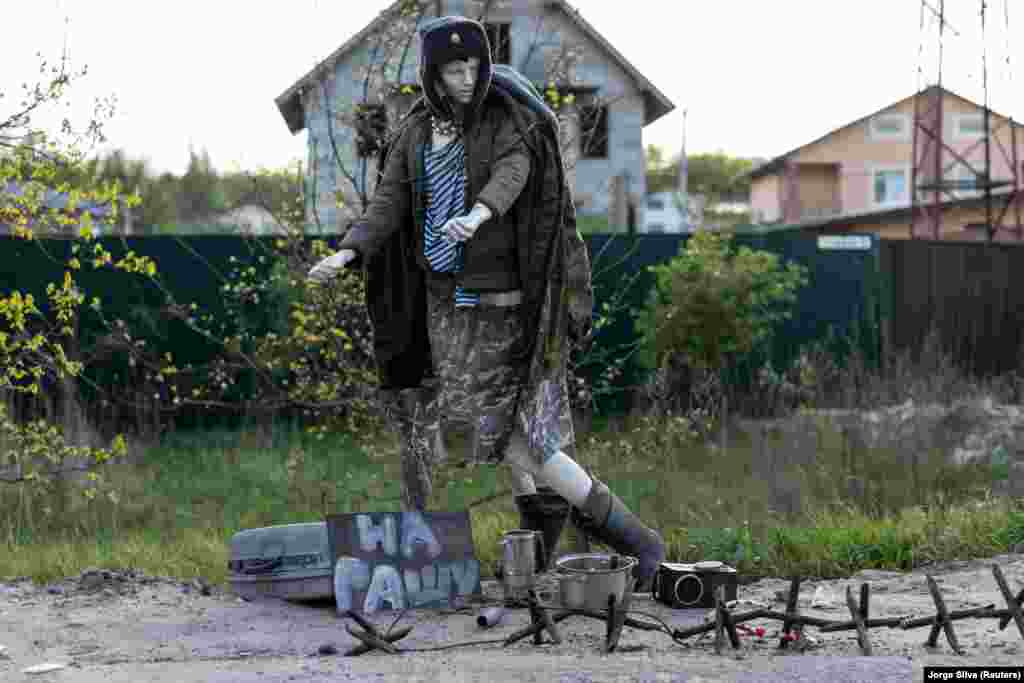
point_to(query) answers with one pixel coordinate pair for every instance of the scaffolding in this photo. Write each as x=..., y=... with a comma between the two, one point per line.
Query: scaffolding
x=934, y=159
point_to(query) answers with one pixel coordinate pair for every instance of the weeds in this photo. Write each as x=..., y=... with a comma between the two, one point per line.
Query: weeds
x=803, y=494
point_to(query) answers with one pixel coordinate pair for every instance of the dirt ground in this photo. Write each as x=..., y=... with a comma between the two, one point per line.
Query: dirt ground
x=120, y=626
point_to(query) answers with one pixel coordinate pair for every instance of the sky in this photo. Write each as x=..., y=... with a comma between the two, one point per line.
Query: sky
x=755, y=78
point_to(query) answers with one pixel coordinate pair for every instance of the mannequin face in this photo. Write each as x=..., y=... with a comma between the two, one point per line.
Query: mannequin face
x=459, y=78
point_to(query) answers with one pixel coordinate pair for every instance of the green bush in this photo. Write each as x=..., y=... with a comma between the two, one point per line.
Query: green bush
x=713, y=303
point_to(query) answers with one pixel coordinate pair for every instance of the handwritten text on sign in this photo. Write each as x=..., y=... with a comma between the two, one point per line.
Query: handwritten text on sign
x=400, y=560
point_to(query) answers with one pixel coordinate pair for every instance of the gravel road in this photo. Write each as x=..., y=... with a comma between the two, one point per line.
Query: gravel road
x=108, y=627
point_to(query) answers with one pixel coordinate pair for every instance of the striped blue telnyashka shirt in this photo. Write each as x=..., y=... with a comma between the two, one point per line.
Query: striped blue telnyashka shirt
x=446, y=196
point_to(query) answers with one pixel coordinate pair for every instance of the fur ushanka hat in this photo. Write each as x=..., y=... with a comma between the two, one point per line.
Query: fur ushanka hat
x=446, y=39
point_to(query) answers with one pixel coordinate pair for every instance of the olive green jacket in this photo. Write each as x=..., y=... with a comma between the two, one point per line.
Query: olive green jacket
x=497, y=168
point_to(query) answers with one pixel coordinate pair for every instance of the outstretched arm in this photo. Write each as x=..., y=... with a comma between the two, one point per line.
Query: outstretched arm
x=331, y=266
x=389, y=205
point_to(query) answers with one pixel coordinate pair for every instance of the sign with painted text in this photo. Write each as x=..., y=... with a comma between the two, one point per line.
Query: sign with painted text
x=844, y=242
x=402, y=560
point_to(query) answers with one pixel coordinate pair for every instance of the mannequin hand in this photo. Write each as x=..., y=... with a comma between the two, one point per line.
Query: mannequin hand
x=462, y=228
x=331, y=266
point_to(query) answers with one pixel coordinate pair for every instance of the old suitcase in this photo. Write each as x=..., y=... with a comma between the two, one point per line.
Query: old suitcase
x=290, y=561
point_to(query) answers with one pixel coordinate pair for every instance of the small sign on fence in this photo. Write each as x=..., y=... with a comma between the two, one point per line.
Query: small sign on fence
x=401, y=560
x=844, y=242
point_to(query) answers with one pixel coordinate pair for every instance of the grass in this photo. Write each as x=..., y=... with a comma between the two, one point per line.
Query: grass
x=179, y=507
x=800, y=496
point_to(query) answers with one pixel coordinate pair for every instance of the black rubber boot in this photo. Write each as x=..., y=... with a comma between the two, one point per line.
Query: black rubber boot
x=546, y=512
x=606, y=518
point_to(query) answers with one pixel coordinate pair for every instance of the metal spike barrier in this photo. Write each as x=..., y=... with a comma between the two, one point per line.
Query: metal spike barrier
x=793, y=622
x=544, y=618
x=1013, y=605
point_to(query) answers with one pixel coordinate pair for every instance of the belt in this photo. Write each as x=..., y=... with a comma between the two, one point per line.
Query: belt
x=510, y=298
x=443, y=284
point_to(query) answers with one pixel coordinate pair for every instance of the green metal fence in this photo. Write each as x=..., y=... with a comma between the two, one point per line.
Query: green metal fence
x=842, y=302
x=842, y=296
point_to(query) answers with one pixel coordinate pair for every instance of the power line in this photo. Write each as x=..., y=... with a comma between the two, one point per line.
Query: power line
x=939, y=13
x=1006, y=27
x=984, y=56
x=920, y=49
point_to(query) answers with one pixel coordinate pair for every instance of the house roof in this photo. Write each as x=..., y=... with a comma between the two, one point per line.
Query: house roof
x=656, y=103
x=289, y=103
x=773, y=165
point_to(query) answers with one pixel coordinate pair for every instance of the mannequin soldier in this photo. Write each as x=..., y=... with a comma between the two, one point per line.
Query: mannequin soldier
x=476, y=280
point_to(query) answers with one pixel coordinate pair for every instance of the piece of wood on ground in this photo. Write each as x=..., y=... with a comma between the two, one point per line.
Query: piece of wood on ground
x=859, y=613
x=723, y=623
x=369, y=635
x=791, y=625
x=617, y=612
x=391, y=638
x=984, y=612
x=371, y=641
x=540, y=620
x=541, y=615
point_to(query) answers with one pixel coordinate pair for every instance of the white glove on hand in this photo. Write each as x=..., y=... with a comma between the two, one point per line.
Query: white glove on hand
x=331, y=266
x=461, y=228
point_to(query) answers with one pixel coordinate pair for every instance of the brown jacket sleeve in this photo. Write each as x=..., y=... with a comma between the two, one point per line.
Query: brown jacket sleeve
x=390, y=206
x=511, y=169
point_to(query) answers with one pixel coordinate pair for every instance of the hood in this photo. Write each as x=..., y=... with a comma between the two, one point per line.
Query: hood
x=442, y=40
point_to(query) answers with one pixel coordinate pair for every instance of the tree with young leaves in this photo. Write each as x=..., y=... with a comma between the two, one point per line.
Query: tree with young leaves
x=716, y=175
x=132, y=175
x=38, y=350
x=199, y=192
x=711, y=305
x=273, y=192
x=283, y=346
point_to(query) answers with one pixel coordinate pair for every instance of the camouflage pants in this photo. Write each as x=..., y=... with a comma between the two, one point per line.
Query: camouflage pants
x=466, y=414
x=478, y=383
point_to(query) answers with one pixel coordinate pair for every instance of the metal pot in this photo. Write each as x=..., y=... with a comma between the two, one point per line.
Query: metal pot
x=519, y=553
x=585, y=580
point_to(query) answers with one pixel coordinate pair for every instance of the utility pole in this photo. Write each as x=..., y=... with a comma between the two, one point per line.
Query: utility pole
x=683, y=180
x=928, y=185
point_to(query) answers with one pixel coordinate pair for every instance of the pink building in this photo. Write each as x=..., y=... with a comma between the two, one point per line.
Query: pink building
x=857, y=178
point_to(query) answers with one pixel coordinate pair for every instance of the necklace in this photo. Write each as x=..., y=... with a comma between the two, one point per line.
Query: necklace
x=445, y=127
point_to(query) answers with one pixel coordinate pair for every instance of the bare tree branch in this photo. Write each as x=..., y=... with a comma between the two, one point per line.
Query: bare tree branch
x=533, y=44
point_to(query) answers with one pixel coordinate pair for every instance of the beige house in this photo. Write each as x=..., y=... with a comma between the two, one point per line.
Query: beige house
x=857, y=178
